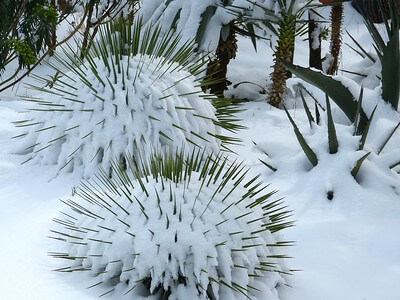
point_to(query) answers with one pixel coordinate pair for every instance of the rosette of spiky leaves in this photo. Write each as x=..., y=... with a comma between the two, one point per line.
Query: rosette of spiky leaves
x=179, y=227
x=135, y=90
x=359, y=130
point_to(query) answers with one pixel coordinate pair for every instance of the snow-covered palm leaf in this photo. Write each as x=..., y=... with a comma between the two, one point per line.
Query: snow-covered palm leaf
x=178, y=227
x=204, y=20
x=135, y=90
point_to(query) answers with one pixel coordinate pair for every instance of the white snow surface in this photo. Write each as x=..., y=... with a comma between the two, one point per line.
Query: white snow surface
x=346, y=248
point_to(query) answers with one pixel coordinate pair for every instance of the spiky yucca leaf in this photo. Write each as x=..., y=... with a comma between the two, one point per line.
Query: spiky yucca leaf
x=178, y=227
x=308, y=151
x=136, y=89
x=336, y=90
x=332, y=137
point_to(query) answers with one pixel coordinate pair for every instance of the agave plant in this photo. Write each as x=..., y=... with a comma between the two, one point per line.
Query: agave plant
x=135, y=90
x=359, y=130
x=178, y=227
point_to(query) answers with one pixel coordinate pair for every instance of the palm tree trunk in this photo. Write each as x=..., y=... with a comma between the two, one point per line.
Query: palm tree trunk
x=336, y=37
x=284, y=50
x=218, y=69
x=53, y=39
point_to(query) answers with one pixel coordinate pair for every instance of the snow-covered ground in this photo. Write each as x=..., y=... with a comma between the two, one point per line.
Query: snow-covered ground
x=346, y=247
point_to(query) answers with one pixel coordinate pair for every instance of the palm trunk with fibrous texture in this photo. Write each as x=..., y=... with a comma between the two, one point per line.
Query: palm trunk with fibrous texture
x=218, y=68
x=336, y=37
x=284, y=50
x=53, y=39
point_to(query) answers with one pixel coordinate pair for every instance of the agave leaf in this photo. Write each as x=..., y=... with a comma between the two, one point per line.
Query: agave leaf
x=357, y=129
x=317, y=114
x=388, y=53
x=358, y=165
x=361, y=48
x=225, y=32
x=388, y=138
x=205, y=18
x=306, y=108
x=312, y=157
x=268, y=165
x=391, y=70
x=250, y=29
x=334, y=88
x=366, y=130
x=332, y=137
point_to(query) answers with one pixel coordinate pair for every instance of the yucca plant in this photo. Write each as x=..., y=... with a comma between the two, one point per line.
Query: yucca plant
x=175, y=227
x=135, y=90
x=285, y=50
x=283, y=19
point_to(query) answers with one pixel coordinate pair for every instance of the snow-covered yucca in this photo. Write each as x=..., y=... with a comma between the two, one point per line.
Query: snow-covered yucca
x=179, y=227
x=136, y=89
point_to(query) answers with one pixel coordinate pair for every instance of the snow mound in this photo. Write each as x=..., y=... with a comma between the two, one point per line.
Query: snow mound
x=188, y=229
x=112, y=103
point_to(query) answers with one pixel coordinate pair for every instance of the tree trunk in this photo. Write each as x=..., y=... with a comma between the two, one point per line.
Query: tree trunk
x=336, y=37
x=218, y=69
x=314, y=40
x=284, y=50
x=53, y=40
